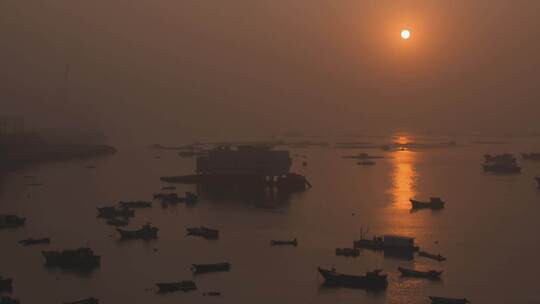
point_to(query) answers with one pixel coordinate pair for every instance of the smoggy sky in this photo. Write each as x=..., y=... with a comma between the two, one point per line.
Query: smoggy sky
x=269, y=66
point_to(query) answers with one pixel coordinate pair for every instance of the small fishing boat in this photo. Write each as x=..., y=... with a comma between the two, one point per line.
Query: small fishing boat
x=146, y=232
x=538, y=181
x=176, y=286
x=81, y=258
x=136, y=204
x=6, y=284
x=216, y=267
x=372, y=279
x=348, y=252
x=441, y=300
x=31, y=241
x=8, y=300
x=366, y=163
x=204, y=232
x=432, y=256
x=430, y=274
x=90, y=300
x=282, y=243
x=117, y=222
x=11, y=221
x=434, y=203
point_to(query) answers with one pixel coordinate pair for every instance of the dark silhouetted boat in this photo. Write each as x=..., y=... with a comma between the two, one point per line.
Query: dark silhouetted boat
x=111, y=212
x=204, y=232
x=537, y=181
x=212, y=294
x=204, y=268
x=501, y=164
x=372, y=279
x=136, y=204
x=8, y=300
x=393, y=245
x=434, y=203
x=441, y=300
x=31, y=241
x=81, y=258
x=176, y=286
x=283, y=243
x=6, y=285
x=530, y=156
x=363, y=156
x=169, y=198
x=147, y=232
x=11, y=221
x=430, y=274
x=348, y=252
x=90, y=300
x=428, y=255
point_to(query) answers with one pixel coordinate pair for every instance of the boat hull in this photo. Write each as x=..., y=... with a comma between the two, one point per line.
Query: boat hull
x=441, y=300
x=375, y=281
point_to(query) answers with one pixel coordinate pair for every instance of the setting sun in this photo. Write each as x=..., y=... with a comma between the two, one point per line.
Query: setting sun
x=405, y=34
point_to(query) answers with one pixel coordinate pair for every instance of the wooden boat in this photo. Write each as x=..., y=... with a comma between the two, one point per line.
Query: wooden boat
x=204, y=268
x=204, y=232
x=81, y=258
x=441, y=300
x=366, y=163
x=348, y=252
x=372, y=279
x=434, y=203
x=430, y=274
x=136, y=204
x=282, y=243
x=11, y=221
x=428, y=255
x=31, y=241
x=6, y=284
x=538, y=181
x=90, y=300
x=146, y=232
x=8, y=300
x=176, y=286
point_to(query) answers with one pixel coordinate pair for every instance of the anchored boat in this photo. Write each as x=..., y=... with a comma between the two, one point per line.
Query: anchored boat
x=432, y=256
x=372, y=279
x=204, y=268
x=31, y=241
x=111, y=212
x=434, y=203
x=430, y=274
x=81, y=258
x=8, y=300
x=281, y=243
x=176, y=286
x=204, y=232
x=11, y=221
x=146, y=232
x=348, y=252
x=441, y=300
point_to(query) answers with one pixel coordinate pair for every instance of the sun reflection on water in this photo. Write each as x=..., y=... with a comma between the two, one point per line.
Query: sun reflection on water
x=404, y=178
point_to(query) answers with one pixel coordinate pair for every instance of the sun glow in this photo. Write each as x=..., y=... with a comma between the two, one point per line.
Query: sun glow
x=405, y=34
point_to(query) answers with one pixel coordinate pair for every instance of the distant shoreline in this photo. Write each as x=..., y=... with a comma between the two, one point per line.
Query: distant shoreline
x=12, y=159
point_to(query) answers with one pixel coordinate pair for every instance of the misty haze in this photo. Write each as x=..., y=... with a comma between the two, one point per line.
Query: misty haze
x=265, y=151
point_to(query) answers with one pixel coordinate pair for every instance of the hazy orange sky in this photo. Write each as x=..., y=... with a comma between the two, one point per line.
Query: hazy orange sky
x=267, y=66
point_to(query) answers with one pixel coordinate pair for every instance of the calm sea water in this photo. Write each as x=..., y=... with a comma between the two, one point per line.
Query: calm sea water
x=489, y=229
